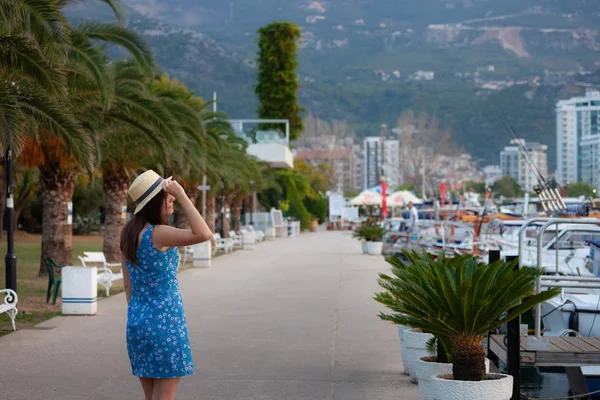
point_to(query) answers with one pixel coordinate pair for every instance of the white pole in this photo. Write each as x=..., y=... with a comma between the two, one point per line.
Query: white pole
x=204, y=162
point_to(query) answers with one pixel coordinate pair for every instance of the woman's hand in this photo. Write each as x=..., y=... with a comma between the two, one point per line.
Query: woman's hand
x=173, y=188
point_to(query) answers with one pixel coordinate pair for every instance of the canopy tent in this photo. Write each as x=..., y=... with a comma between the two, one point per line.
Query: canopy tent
x=401, y=198
x=367, y=198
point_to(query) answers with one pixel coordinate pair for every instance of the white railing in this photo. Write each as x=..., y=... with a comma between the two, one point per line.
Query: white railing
x=539, y=284
x=238, y=126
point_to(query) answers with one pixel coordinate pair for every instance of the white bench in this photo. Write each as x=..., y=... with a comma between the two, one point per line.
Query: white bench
x=237, y=239
x=10, y=305
x=223, y=244
x=105, y=275
x=187, y=250
x=260, y=235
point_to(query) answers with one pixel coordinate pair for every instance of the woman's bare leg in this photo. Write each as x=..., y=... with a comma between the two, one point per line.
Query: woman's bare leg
x=164, y=389
x=148, y=385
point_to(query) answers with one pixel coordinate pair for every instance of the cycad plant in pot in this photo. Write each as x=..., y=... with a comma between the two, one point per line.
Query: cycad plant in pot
x=425, y=354
x=462, y=300
x=375, y=239
x=361, y=233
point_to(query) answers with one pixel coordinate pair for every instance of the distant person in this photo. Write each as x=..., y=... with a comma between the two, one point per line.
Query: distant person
x=157, y=336
x=414, y=218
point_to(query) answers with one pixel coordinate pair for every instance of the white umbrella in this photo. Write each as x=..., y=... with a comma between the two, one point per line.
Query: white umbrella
x=402, y=197
x=367, y=198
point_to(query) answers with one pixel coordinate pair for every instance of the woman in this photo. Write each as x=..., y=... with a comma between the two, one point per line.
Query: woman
x=157, y=338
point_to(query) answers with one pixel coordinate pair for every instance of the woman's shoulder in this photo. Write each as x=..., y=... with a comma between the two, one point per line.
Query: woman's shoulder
x=144, y=234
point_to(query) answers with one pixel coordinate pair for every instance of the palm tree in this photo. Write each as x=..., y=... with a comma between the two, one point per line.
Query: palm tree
x=188, y=153
x=134, y=126
x=90, y=82
x=34, y=36
x=461, y=299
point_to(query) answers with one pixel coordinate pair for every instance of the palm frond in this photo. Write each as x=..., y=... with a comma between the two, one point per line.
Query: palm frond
x=120, y=36
x=20, y=58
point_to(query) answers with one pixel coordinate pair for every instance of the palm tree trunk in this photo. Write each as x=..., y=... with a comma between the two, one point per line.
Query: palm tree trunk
x=468, y=358
x=210, y=211
x=57, y=188
x=236, y=212
x=115, y=185
x=226, y=221
x=182, y=220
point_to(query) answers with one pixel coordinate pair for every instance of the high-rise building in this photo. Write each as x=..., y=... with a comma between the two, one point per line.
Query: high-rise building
x=357, y=167
x=513, y=163
x=391, y=162
x=578, y=139
x=381, y=159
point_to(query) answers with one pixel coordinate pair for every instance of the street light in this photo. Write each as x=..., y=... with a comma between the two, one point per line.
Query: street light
x=252, y=209
x=10, y=259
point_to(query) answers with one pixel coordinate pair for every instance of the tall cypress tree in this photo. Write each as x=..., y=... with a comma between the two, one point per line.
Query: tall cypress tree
x=277, y=78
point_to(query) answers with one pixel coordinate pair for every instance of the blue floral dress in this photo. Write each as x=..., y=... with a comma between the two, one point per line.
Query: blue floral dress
x=157, y=336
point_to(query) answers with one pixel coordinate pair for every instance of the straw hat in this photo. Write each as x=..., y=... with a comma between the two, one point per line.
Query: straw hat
x=145, y=187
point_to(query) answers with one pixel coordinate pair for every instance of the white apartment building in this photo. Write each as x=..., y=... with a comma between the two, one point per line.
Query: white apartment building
x=391, y=162
x=515, y=164
x=357, y=167
x=491, y=173
x=578, y=139
x=381, y=158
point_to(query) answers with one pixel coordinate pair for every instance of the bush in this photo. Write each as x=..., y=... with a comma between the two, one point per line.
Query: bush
x=86, y=225
x=317, y=208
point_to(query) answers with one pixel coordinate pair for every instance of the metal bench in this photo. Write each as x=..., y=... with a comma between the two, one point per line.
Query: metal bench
x=10, y=305
x=105, y=275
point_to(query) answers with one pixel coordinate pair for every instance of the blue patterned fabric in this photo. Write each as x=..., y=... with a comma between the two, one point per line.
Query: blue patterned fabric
x=157, y=336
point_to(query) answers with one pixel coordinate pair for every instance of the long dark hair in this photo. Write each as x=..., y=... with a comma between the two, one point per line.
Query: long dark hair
x=150, y=214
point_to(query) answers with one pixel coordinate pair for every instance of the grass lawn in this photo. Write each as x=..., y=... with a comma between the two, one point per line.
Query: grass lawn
x=32, y=288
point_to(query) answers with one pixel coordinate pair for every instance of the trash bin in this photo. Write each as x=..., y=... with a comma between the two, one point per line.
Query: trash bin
x=248, y=240
x=202, y=254
x=79, y=290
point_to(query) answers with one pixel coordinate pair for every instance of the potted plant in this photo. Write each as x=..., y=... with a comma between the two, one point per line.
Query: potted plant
x=461, y=299
x=361, y=233
x=375, y=240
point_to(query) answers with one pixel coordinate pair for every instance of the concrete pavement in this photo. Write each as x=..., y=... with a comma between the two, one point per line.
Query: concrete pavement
x=293, y=319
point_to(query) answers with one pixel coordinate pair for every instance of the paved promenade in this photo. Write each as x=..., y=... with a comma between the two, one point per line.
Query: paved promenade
x=293, y=319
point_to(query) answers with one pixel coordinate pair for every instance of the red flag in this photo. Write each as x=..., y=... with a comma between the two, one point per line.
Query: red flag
x=443, y=193
x=384, y=210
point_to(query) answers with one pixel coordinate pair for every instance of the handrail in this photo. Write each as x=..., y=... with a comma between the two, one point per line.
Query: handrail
x=554, y=221
x=523, y=229
x=570, y=278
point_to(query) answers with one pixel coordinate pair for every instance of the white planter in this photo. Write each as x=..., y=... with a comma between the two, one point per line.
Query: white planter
x=401, y=330
x=415, y=344
x=427, y=370
x=363, y=246
x=375, y=248
x=499, y=387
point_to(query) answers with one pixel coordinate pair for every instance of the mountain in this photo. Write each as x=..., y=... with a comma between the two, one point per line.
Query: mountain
x=203, y=64
x=367, y=61
x=352, y=37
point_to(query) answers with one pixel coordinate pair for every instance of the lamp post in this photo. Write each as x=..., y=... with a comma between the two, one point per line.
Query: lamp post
x=252, y=208
x=10, y=259
x=222, y=207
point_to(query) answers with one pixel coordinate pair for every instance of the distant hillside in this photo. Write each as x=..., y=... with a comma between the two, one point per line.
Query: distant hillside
x=360, y=61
